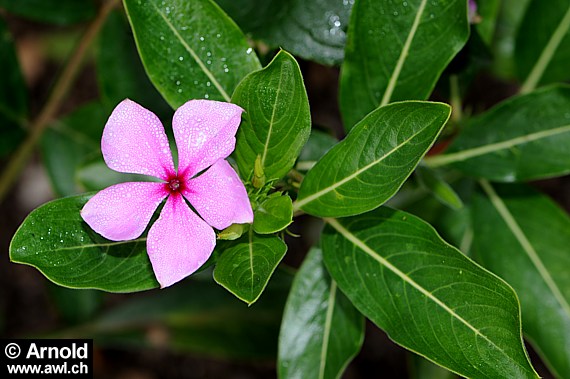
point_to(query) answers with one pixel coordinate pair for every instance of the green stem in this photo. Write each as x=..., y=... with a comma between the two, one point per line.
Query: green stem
x=455, y=99
x=51, y=107
x=547, y=54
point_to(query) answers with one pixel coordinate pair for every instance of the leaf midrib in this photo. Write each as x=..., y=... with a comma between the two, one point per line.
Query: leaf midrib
x=527, y=246
x=191, y=51
x=403, y=55
x=463, y=155
x=81, y=247
x=360, y=244
x=546, y=55
x=272, y=121
x=327, y=329
x=297, y=205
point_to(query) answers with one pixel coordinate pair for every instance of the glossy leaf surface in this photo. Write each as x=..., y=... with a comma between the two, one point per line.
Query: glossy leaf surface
x=426, y=295
x=190, y=49
x=321, y=330
x=245, y=268
x=273, y=215
x=276, y=122
x=523, y=236
x=397, y=51
x=55, y=240
x=373, y=161
x=314, y=30
x=523, y=138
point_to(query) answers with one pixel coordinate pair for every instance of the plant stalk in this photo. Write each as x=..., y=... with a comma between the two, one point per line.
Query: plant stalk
x=51, y=107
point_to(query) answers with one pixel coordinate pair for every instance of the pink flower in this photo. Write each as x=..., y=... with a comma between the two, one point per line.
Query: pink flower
x=134, y=141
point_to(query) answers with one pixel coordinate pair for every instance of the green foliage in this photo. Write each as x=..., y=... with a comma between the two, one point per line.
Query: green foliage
x=426, y=295
x=314, y=30
x=371, y=164
x=523, y=138
x=277, y=121
x=244, y=268
x=523, y=236
x=386, y=265
x=190, y=50
x=397, y=51
x=433, y=182
x=55, y=239
x=321, y=330
x=273, y=215
x=542, y=57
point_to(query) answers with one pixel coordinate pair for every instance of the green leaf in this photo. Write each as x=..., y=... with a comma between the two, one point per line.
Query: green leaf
x=509, y=19
x=543, y=57
x=190, y=49
x=273, y=215
x=426, y=295
x=523, y=236
x=13, y=95
x=61, y=12
x=317, y=145
x=373, y=161
x=397, y=51
x=120, y=72
x=314, y=30
x=194, y=316
x=55, y=240
x=277, y=122
x=321, y=330
x=438, y=187
x=522, y=138
x=245, y=268
x=71, y=141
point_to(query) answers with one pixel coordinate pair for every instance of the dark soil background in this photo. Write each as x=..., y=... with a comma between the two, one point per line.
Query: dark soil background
x=26, y=306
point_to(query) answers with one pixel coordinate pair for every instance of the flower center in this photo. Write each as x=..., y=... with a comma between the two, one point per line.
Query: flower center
x=174, y=185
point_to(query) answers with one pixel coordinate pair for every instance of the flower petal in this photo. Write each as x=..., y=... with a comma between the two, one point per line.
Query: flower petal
x=179, y=242
x=134, y=141
x=219, y=196
x=122, y=212
x=205, y=133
